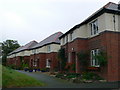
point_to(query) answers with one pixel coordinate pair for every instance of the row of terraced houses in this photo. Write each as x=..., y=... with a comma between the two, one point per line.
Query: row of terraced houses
x=99, y=32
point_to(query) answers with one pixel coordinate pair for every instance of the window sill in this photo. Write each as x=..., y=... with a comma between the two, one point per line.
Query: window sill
x=94, y=35
x=47, y=66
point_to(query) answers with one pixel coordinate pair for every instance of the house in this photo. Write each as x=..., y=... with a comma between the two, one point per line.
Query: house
x=99, y=32
x=44, y=54
x=20, y=55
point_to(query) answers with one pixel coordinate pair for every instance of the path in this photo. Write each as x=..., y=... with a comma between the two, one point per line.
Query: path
x=53, y=82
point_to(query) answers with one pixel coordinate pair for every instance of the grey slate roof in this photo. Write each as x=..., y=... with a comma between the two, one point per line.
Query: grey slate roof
x=112, y=6
x=54, y=38
x=26, y=47
x=109, y=7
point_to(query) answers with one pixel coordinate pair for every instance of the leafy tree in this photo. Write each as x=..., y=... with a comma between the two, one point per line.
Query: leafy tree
x=7, y=47
x=62, y=58
x=102, y=58
x=83, y=57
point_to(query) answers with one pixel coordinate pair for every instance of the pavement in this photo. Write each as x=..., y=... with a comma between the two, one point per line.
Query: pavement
x=53, y=82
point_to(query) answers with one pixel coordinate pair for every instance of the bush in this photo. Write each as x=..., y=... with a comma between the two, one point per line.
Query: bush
x=45, y=69
x=12, y=66
x=68, y=75
x=72, y=75
x=59, y=75
x=91, y=76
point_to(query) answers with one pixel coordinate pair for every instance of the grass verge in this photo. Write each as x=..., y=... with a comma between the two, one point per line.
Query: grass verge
x=11, y=78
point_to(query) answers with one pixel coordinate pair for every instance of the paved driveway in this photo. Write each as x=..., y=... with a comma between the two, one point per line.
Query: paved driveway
x=52, y=82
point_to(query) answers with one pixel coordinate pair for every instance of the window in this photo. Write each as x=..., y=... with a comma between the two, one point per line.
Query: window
x=94, y=27
x=63, y=40
x=48, y=63
x=35, y=62
x=66, y=38
x=71, y=36
x=34, y=51
x=48, y=48
x=94, y=62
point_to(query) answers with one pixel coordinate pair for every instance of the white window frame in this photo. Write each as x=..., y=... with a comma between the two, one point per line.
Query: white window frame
x=94, y=27
x=35, y=62
x=47, y=63
x=94, y=62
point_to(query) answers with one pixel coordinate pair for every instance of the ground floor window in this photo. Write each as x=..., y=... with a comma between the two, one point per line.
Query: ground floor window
x=94, y=61
x=48, y=63
x=35, y=62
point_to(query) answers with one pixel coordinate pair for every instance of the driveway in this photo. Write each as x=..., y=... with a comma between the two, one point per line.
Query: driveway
x=53, y=82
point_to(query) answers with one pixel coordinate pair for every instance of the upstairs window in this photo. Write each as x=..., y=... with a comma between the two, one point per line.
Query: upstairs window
x=71, y=36
x=48, y=48
x=66, y=38
x=34, y=51
x=63, y=40
x=94, y=27
x=94, y=62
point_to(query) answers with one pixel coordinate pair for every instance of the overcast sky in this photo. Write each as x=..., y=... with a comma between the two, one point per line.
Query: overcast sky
x=27, y=20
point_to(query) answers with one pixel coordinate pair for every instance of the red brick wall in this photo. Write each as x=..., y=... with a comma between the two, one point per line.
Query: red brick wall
x=54, y=61
x=119, y=58
x=74, y=47
x=14, y=60
x=106, y=41
x=27, y=59
x=9, y=61
x=99, y=42
x=42, y=60
x=113, y=56
x=42, y=57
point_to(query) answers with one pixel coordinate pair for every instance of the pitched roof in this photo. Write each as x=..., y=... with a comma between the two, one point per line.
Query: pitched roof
x=25, y=47
x=109, y=8
x=54, y=38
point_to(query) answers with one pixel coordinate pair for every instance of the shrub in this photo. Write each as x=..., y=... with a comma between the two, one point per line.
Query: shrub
x=72, y=75
x=45, y=69
x=62, y=58
x=91, y=76
x=102, y=58
x=59, y=75
x=12, y=66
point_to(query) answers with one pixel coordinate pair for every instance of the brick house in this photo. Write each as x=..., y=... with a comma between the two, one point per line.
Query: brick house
x=99, y=32
x=21, y=54
x=44, y=54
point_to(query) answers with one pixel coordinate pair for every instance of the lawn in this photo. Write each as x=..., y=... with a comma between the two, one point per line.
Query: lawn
x=12, y=78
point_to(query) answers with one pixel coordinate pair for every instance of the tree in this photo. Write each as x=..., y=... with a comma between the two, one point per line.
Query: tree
x=102, y=58
x=62, y=58
x=83, y=57
x=7, y=47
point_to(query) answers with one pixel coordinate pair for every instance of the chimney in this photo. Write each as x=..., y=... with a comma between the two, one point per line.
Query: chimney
x=119, y=5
